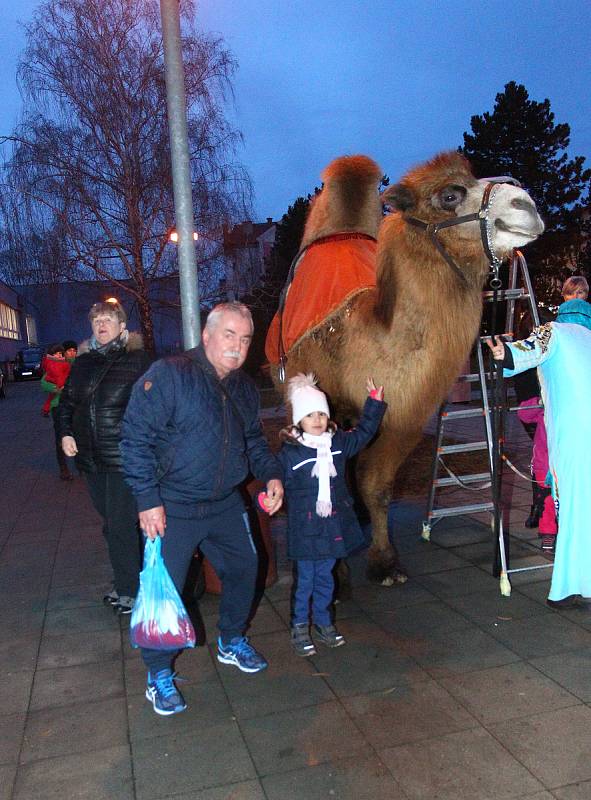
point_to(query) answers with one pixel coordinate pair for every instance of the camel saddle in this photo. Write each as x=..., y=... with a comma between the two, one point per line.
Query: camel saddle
x=328, y=273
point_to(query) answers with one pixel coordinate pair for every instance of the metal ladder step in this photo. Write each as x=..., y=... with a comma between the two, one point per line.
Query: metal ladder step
x=473, y=478
x=453, y=511
x=463, y=413
x=506, y=294
x=467, y=447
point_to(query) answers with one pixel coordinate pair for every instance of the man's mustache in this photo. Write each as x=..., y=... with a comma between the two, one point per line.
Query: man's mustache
x=231, y=354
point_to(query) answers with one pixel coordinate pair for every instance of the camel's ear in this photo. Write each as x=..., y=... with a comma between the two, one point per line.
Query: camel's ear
x=399, y=197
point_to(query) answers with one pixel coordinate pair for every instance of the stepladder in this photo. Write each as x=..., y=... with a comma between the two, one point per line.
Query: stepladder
x=481, y=421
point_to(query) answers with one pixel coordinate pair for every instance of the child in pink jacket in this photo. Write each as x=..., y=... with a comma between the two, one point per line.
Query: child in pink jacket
x=548, y=527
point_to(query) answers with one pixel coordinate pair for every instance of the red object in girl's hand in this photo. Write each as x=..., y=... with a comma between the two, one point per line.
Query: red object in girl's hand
x=263, y=501
x=377, y=393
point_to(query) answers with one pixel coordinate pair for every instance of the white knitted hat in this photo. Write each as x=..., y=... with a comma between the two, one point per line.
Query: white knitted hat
x=305, y=397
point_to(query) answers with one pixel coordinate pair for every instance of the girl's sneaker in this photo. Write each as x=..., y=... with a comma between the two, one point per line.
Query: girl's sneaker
x=301, y=641
x=329, y=635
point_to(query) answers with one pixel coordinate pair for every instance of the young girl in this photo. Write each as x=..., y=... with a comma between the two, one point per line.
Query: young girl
x=322, y=525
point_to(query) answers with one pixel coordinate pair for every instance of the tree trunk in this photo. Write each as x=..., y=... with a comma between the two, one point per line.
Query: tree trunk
x=146, y=323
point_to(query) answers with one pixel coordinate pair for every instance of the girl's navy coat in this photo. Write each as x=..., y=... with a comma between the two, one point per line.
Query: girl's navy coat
x=310, y=537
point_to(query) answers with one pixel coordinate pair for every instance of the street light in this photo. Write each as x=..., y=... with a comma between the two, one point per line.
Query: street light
x=176, y=104
x=174, y=237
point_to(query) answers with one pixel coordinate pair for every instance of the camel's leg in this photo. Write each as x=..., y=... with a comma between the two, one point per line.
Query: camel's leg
x=376, y=471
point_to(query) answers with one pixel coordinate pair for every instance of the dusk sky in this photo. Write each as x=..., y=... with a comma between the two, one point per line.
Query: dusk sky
x=397, y=80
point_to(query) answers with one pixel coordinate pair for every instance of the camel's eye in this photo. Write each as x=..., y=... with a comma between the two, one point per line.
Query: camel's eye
x=451, y=196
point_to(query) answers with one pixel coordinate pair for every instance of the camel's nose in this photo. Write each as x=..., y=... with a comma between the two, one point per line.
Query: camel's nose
x=523, y=204
x=527, y=204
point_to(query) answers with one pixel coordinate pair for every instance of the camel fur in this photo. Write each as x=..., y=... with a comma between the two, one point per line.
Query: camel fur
x=414, y=330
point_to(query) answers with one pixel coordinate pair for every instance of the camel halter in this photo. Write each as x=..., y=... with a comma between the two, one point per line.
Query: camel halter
x=482, y=217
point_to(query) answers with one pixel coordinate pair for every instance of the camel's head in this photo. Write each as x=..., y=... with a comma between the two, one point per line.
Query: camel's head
x=445, y=188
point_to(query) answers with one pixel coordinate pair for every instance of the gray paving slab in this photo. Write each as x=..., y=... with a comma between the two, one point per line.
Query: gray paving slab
x=576, y=791
x=460, y=651
x=545, y=634
x=571, y=670
x=77, y=728
x=364, y=778
x=408, y=713
x=247, y=790
x=290, y=740
x=372, y=660
x=549, y=744
x=11, y=731
x=489, y=607
x=508, y=692
x=187, y=762
x=420, y=620
x=98, y=775
x=68, y=649
x=459, y=766
x=7, y=778
x=290, y=682
x=207, y=705
x=64, y=686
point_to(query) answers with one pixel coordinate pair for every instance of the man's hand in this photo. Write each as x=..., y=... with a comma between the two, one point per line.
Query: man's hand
x=153, y=521
x=274, y=496
x=69, y=445
x=497, y=348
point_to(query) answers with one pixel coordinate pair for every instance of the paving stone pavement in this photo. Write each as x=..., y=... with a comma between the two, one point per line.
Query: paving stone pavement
x=445, y=690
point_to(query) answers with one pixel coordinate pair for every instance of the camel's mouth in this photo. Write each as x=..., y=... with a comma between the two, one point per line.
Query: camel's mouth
x=513, y=230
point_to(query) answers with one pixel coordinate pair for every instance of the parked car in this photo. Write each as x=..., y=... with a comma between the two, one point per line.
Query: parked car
x=28, y=363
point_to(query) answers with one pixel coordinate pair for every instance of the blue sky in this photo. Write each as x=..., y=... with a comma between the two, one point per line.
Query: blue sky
x=397, y=80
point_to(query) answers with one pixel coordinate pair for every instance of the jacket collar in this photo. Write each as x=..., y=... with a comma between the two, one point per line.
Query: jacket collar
x=197, y=354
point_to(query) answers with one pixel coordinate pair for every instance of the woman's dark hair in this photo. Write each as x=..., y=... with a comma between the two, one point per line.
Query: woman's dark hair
x=69, y=344
x=55, y=348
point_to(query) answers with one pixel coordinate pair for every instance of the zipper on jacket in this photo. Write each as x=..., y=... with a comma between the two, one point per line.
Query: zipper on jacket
x=224, y=448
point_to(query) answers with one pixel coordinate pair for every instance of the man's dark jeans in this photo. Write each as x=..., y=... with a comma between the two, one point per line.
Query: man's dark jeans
x=221, y=530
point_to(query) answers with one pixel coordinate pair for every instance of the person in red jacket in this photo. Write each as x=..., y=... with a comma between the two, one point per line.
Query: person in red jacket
x=55, y=373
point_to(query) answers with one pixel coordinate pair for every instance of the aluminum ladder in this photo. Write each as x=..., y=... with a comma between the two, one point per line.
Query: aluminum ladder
x=518, y=288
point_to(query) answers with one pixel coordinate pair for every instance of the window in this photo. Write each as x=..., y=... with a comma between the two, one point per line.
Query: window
x=9, y=327
x=31, y=330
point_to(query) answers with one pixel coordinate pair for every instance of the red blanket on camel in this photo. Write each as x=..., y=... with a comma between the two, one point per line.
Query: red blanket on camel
x=329, y=272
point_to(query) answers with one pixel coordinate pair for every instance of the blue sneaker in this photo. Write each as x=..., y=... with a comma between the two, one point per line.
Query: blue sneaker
x=163, y=694
x=240, y=653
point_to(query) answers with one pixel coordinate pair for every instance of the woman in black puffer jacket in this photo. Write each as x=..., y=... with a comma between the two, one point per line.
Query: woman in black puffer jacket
x=91, y=408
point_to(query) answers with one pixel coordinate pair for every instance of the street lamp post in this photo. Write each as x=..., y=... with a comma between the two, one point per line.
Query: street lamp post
x=181, y=172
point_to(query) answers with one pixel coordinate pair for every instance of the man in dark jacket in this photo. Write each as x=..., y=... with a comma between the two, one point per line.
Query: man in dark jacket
x=191, y=433
x=88, y=421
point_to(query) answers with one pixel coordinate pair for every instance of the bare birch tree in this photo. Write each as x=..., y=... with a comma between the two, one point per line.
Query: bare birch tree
x=89, y=170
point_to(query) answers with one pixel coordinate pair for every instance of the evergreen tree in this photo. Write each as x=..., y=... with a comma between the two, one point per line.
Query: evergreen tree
x=521, y=138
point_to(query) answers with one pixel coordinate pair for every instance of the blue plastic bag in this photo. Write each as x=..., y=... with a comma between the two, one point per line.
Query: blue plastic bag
x=159, y=620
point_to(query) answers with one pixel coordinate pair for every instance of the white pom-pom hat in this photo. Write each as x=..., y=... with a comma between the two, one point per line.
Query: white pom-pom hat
x=304, y=397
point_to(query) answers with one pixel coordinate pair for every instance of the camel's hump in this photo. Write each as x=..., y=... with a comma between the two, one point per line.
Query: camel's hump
x=352, y=168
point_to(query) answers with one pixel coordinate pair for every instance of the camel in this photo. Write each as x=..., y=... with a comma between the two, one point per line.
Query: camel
x=413, y=330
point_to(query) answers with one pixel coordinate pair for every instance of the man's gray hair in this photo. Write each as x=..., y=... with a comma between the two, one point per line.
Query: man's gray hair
x=231, y=307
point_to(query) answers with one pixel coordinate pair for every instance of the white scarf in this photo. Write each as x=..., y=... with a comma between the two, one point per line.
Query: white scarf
x=323, y=469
